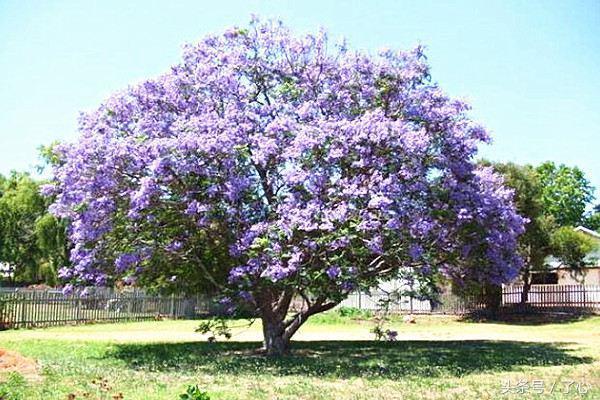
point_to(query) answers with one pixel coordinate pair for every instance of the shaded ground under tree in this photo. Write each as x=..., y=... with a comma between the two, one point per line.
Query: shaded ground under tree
x=345, y=359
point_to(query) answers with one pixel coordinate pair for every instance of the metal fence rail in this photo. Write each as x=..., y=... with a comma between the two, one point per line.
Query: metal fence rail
x=22, y=308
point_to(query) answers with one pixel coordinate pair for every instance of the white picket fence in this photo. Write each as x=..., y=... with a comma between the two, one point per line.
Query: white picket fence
x=448, y=304
x=577, y=297
x=555, y=296
x=30, y=308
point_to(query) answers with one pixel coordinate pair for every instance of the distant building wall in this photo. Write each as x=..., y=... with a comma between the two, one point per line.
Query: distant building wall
x=589, y=276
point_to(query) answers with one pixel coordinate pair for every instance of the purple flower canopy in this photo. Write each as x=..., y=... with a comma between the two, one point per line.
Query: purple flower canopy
x=316, y=166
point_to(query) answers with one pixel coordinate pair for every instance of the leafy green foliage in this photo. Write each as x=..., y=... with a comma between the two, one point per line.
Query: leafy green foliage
x=194, y=393
x=355, y=313
x=565, y=193
x=341, y=315
x=13, y=387
x=554, y=200
x=572, y=246
x=32, y=241
x=592, y=221
x=384, y=334
x=216, y=327
x=534, y=244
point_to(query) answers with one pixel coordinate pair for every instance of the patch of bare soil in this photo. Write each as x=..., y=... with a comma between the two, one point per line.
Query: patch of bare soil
x=11, y=361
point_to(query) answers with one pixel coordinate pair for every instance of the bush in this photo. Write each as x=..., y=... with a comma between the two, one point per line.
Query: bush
x=356, y=313
x=194, y=393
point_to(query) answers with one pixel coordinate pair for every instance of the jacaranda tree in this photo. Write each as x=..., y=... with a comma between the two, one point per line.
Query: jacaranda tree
x=279, y=167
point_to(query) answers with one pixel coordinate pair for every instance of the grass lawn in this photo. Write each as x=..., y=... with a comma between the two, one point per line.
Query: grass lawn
x=333, y=358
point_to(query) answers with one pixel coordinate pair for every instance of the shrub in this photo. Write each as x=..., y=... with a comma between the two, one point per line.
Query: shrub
x=194, y=393
x=354, y=312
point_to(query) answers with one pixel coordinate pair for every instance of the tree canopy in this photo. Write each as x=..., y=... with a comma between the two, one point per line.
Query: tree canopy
x=32, y=241
x=545, y=235
x=274, y=166
x=592, y=220
x=566, y=193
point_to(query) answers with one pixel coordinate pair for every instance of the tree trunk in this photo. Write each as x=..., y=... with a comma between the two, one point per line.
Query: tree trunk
x=525, y=293
x=526, y=287
x=274, y=307
x=493, y=299
x=276, y=342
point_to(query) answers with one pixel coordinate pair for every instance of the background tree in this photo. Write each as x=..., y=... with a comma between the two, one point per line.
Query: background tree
x=32, y=241
x=278, y=167
x=572, y=247
x=566, y=193
x=592, y=221
x=544, y=235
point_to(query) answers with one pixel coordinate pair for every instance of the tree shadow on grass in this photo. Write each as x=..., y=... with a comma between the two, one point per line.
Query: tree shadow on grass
x=347, y=359
x=532, y=318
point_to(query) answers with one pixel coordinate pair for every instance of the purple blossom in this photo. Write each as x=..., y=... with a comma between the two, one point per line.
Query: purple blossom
x=126, y=261
x=380, y=201
x=415, y=252
x=246, y=296
x=334, y=272
x=47, y=190
x=321, y=174
x=68, y=289
x=194, y=208
x=174, y=246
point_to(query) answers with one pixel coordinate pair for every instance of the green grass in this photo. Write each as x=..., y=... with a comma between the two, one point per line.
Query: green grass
x=333, y=358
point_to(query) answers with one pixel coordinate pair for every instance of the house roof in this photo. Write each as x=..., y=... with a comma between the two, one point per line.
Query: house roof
x=593, y=259
x=587, y=231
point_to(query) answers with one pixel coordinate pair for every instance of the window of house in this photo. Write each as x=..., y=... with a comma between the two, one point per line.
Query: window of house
x=544, y=278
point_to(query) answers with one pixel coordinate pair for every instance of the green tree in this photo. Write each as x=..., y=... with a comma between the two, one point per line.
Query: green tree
x=566, y=193
x=545, y=234
x=572, y=246
x=592, y=221
x=32, y=241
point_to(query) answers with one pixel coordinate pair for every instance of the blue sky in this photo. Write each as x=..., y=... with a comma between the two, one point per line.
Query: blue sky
x=531, y=69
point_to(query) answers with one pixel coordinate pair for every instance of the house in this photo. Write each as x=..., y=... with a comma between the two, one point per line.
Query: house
x=560, y=274
x=5, y=271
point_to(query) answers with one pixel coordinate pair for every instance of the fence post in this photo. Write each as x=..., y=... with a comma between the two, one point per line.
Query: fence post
x=173, y=305
x=23, y=311
x=78, y=310
x=359, y=301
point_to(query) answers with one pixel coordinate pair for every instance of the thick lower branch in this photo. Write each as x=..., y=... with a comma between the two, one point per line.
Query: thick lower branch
x=283, y=305
x=292, y=326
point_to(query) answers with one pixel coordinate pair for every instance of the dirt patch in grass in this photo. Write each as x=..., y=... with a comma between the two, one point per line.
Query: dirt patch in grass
x=11, y=361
